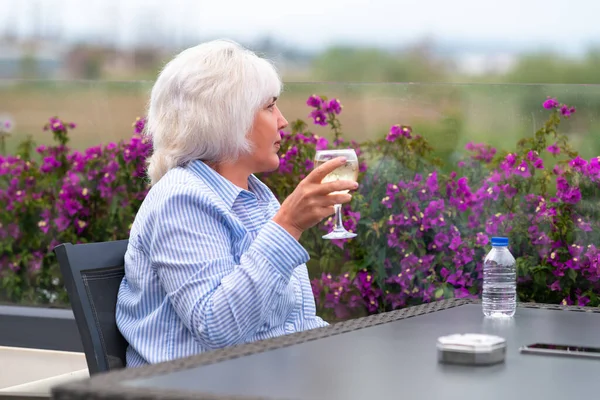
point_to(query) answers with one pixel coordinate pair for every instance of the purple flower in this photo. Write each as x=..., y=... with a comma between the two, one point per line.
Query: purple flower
x=36, y=262
x=56, y=125
x=93, y=152
x=584, y=226
x=482, y=151
x=72, y=206
x=582, y=301
x=535, y=159
x=80, y=226
x=593, y=168
x=481, y=239
x=309, y=164
x=44, y=226
x=398, y=130
x=571, y=196
x=62, y=223
x=333, y=106
x=493, y=224
x=562, y=184
x=322, y=143
x=441, y=239
x=139, y=125
x=550, y=103
x=566, y=111
x=455, y=243
x=510, y=160
x=319, y=117
x=509, y=190
x=50, y=164
x=523, y=170
x=314, y=101
x=578, y=163
x=432, y=182
x=462, y=293
x=553, y=149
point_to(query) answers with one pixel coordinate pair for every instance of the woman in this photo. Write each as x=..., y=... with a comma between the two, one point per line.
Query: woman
x=213, y=258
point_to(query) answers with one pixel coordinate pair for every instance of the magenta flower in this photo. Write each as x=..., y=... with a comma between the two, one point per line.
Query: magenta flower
x=510, y=160
x=535, y=159
x=44, y=226
x=333, y=106
x=582, y=301
x=432, y=182
x=322, y=143
x=562, y=184
x=440, y=240
x=462, y=293
x=523, y=170
x=397, y=131
x=314, y=101
x=593, y=168
x=481, y=239
x=550, y=103
x=309, y=164
x=50, y=164
x=571, y=196
x=139, y=125
x=578, y=163
x=319, y=117
x=553, y=149
x=62, y=223
x=566, y=111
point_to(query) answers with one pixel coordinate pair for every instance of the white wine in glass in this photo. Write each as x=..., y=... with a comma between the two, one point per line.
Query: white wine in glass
x=348, y=172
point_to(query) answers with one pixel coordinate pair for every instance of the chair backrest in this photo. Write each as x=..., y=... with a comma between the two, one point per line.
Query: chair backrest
x=92, y=273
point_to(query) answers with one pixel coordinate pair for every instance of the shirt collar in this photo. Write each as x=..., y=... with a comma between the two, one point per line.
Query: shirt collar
x=225, y=189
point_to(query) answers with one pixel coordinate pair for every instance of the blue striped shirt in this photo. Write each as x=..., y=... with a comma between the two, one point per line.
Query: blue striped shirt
x=206, y=268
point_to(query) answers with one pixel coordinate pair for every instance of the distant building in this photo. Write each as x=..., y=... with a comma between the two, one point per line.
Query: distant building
x=475, y=63
x=31, y=59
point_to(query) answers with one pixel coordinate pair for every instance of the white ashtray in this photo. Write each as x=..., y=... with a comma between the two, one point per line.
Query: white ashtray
x=471, y=349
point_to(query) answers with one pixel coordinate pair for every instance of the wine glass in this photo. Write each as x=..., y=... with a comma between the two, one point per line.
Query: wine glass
x=349, y=172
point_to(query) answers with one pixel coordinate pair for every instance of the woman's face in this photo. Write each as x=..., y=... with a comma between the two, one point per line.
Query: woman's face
x=265, y=138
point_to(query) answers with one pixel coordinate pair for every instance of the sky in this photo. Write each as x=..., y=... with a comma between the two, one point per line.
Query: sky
x=568, y=27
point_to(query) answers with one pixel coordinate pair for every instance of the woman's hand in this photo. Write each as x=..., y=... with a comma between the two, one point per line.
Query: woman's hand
x=311, y=201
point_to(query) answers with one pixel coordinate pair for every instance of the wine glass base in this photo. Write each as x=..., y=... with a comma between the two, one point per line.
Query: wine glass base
x=340, y=235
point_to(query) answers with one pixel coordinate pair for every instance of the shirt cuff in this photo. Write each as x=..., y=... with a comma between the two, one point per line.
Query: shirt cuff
x=280, y=249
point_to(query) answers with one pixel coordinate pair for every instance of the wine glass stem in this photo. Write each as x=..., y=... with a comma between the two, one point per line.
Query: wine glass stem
x=338, y=226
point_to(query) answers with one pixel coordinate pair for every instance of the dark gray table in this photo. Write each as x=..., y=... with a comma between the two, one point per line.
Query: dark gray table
x=386, y=356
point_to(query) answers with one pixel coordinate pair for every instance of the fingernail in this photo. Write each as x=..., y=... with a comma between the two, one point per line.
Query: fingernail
x=355, y=186
x=343, y=159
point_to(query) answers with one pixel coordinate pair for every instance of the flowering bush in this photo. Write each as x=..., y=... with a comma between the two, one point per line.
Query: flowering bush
x=68, y=196
x=422, y=233
x=425, y=235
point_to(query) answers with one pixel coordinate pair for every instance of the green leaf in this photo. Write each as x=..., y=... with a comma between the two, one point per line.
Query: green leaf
x=439, y=293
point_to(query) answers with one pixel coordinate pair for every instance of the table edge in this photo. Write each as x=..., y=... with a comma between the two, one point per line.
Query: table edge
x=107, y=385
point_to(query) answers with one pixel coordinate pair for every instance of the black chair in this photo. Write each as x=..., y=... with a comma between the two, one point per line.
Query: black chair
x=92, y=274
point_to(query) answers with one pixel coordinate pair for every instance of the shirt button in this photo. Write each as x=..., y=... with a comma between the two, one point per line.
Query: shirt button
x=289, y=327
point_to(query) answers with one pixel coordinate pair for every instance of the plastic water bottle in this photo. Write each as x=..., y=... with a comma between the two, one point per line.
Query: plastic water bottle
x=499, y=297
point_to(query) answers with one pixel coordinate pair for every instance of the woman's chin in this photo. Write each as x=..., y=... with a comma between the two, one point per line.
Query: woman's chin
x=269, y=164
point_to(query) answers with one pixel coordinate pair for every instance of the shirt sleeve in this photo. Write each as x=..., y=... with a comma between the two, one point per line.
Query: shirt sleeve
x=221, y=301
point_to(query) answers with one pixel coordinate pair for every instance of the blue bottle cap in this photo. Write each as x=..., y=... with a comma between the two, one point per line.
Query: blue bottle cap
x=499, y=241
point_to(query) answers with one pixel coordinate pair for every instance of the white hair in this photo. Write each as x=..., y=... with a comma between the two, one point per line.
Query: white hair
x=203, y=105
